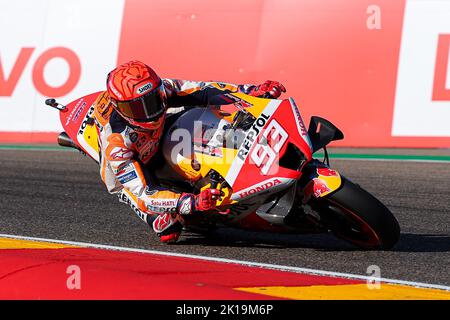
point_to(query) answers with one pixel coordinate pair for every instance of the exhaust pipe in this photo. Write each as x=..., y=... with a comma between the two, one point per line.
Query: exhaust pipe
x=65, y=141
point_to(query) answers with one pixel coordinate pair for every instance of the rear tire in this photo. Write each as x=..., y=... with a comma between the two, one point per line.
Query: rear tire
x=356, y=216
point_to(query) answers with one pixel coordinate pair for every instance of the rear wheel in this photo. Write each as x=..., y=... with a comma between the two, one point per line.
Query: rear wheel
x=356, y=216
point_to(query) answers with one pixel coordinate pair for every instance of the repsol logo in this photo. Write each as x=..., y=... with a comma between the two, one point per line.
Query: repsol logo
x=86, y=120
x=157, y=209
x=251, y=136
x=144, y=88
x=260, y=188
x=127, y=200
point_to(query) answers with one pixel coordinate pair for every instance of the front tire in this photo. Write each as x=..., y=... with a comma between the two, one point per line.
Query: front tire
x=356, y=216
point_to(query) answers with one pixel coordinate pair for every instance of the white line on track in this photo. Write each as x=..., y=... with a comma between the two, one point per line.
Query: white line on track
x=240, y=262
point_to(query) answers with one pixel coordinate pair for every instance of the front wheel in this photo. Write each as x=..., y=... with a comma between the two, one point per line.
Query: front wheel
x=356, y=216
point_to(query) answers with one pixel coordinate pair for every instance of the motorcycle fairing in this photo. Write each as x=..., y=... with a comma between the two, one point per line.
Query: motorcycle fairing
x=78, y=123
x=250, y=168
x=257, y=159
x=245, y=177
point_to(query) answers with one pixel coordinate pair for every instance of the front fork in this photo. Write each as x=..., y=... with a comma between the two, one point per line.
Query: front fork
x=317, y=181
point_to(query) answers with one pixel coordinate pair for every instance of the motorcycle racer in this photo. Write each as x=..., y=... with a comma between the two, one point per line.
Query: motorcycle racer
x=130, y=118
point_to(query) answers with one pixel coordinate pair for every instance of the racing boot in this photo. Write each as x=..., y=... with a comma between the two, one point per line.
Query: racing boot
x=167, y=227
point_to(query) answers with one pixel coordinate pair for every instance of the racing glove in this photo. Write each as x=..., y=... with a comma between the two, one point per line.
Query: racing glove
x=269, y=89
x=204, y=201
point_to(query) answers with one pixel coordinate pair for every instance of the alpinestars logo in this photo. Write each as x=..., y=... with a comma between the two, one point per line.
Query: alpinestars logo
x=120, y=153
x=186, y=205
x=162, y=223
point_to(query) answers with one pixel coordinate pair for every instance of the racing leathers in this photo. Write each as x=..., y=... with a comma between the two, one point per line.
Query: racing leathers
x=125, y=151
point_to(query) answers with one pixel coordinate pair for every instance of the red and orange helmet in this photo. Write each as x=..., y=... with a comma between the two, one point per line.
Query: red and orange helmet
x=137, y=94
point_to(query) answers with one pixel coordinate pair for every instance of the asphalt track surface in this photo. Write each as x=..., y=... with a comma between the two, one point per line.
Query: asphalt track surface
x=59, y=195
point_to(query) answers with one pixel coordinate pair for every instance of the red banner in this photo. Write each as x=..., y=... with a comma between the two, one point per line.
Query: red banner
x=326, y=53
x=377, y=70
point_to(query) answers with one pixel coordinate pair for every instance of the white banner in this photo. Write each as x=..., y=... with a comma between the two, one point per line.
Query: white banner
x=420, y=109
x=53, y=48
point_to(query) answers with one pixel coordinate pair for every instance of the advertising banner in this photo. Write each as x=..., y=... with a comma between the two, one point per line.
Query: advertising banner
x=377, y=69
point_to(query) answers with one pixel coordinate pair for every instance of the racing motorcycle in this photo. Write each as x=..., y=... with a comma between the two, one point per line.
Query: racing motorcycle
x=259, y=153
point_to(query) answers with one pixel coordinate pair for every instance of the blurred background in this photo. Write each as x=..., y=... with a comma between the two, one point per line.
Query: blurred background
x=378, y=69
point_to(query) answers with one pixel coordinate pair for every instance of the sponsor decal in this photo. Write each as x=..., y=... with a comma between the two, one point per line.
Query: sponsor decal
x=259, y=188
x=148, y=150
x=76, y=111
x=299, y=119
x=146, y=147
x=140, y=143
x=123, y=197
x=86, y=120
x=162, y=205
x=127, y=177
x=316, y=187
x=238, y=161
x=163, y=202
x=266, y=151
x=120, y=153
x=157, y=209
x=300, y=124
x=327, y=172
x=186, y=205
x=163, y=222
x=124, y=168
x=251, y=136
x=133, y=137
x=320, y=187
x=145, y=88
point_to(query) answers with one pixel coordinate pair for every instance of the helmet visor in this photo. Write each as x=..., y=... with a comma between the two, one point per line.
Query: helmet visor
x=148, y=107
